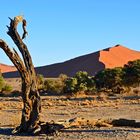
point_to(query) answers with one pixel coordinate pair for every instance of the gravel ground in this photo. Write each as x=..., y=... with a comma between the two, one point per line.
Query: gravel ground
x=60, y=108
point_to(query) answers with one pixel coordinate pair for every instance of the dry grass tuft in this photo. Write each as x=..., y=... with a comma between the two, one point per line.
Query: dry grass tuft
x=84, y=122
x=79, y=122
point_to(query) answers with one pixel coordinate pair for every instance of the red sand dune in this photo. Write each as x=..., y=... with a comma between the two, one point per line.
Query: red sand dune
x=118, y=56
x=6, y=68
x=92, y=63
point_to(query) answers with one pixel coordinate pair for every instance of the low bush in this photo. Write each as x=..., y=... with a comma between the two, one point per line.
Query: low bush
x=4, y=87
x=7, y=88
x=2, y=83
x=81, y=82
x=40, y=81
x=109, y=79
x=131, y=76
x=54, y=86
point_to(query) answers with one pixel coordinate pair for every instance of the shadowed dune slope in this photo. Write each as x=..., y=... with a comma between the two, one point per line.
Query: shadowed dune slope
x=112, y=57
x=89, y=63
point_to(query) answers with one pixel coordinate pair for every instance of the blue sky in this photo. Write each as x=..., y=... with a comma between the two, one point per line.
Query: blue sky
x=62, y=29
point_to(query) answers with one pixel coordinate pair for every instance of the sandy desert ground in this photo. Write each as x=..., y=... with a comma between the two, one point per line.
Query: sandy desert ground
x=88, y=115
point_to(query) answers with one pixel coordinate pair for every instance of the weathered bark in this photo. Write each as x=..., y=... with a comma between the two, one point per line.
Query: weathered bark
x=30, y=95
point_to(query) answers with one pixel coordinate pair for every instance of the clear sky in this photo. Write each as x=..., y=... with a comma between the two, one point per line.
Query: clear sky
x=62, y=29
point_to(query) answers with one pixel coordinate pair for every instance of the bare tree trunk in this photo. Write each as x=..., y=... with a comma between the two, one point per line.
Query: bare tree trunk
x=30, y=95
x=30, y=120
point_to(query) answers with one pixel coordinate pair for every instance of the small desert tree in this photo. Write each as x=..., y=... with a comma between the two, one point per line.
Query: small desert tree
x=108, y=78
x=80, y=82
x=131, y=74
x=30, y=95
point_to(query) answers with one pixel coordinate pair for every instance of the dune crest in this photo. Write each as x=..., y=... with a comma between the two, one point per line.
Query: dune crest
x=117, y=56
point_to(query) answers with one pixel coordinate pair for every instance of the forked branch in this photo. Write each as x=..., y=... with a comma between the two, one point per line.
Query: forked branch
x=15, y=58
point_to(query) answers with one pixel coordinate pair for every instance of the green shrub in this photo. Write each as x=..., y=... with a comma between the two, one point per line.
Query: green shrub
x=63, y=77
x=40, y=81
x=7, y=88
x=70, y=85
x=4, y=87
x=2, y=83
x=131, y=76
x=80, y=82
x=54, y=86
x=109, y=79
x=85, y=82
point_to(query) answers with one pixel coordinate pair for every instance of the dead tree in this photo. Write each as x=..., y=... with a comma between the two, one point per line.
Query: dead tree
x=30, y=95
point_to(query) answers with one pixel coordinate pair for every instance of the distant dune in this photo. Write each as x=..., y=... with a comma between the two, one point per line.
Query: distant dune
x=6, y=68
x=112, y=57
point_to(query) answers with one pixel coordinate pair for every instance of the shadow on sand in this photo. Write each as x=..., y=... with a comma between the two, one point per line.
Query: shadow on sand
x=100, y=131
x=6, y=131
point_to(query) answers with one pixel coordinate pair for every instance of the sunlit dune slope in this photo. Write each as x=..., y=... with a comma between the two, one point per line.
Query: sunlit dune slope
x=117, y=56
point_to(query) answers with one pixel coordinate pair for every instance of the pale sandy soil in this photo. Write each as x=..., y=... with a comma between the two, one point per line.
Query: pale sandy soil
x=59, y=108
